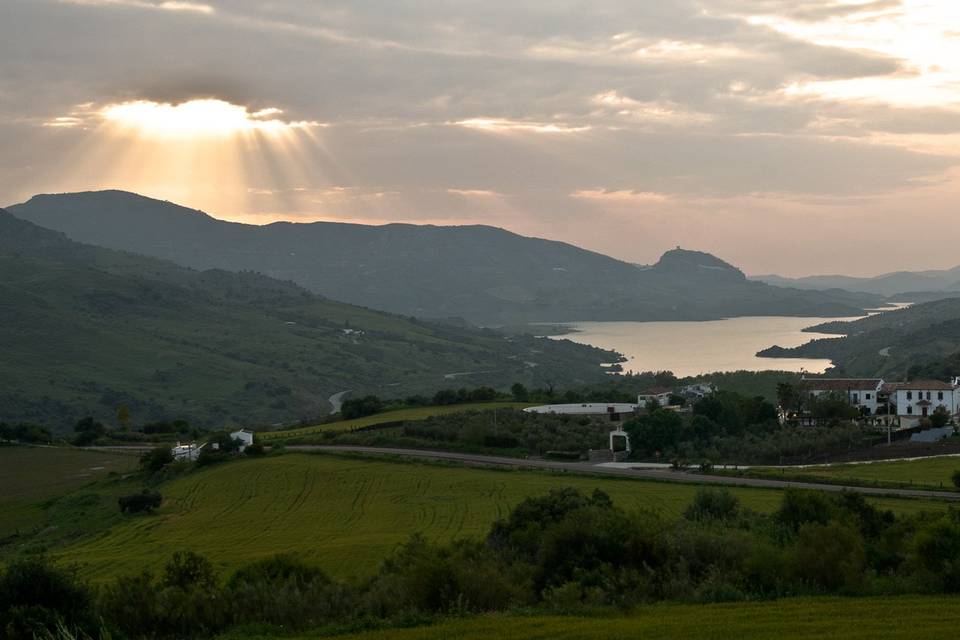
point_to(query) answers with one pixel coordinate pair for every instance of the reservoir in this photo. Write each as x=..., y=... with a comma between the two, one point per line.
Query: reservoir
x=692, y=348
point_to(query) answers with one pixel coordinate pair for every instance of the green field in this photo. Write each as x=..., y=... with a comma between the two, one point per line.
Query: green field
x=932, y=473
x=799, y=619
x=346, y=514
x=417, y=413
x=30, y=475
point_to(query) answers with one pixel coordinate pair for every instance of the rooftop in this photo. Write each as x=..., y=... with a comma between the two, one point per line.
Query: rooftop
x=924, y=385
x=842, y=384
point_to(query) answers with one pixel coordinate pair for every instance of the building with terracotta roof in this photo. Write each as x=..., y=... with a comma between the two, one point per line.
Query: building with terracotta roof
x=920, y=398
x=862, y=393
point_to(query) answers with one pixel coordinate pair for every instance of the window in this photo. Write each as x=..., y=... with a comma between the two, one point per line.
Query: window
x=909, y=395
x=909, y=409
x=940, y=395
x=856, y=398
x=867, y=396
x=928, y=395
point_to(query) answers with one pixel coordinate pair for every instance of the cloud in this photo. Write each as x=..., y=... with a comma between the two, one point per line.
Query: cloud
x=159, y=5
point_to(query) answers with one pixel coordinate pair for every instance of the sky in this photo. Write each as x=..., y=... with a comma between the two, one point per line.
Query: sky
x=788, y=137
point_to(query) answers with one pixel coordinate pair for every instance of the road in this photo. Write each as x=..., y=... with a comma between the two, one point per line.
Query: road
x=652, y=474
x=336, y=401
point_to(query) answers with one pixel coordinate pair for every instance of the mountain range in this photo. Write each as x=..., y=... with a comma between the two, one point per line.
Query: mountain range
x=86, y=330
x=900, y=283
x=484, y=275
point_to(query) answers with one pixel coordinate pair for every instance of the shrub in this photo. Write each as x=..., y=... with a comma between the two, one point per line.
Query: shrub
x=144, y=502
x=37, y=597
x=956, y=478
x=255, y=450
x=830, y=556
x=156, y=459
x=187, y=570
x=712, y=504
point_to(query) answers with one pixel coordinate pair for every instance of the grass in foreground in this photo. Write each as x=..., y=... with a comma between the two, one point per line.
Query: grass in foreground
x=931, y=473
x=799, y=619
x=399, y=415
x=347, y=514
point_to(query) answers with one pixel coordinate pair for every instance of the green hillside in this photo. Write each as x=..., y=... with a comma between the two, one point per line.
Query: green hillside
x=797, y=619
x=86, y=330
x=343, y=514
x=920, y=340
x=483, y=274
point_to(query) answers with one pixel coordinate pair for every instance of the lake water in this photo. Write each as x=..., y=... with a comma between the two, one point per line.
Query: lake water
x=692, y=348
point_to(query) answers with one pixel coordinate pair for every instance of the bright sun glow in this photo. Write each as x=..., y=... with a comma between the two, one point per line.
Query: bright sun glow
x=196, y=118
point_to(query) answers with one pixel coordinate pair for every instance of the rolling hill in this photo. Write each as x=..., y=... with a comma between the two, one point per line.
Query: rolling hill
x=483, y=274
x=920, y=340
x=85, y=330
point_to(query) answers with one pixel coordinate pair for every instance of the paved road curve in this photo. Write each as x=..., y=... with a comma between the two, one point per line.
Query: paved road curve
x=657, y=474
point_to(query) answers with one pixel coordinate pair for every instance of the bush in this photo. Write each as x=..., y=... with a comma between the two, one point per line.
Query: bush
x=144, y=502
x=37, y=597
x=956, y=478
x=156, y=459
x=712, y=504
x=255, y=450
x=829, y=556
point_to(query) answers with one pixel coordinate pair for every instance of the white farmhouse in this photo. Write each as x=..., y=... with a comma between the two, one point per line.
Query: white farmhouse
x=862, y=393
x=186, y=452
x=244, y=436
x=660, y=394
x=921, y=398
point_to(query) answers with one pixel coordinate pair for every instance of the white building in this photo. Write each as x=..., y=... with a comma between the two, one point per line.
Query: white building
x=863, y=393
x=659, y=394
x=613, y=409
x=921, y=398
x=244, y=436
x=186, y=452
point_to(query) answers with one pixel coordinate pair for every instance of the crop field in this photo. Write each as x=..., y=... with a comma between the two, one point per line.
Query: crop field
x=417, y=413
x=347, y=514
x=794, y=619
x=931, y=473
x=29, y=475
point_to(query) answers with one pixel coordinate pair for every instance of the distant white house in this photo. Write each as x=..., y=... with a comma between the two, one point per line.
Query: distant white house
x=186, y=452
x=659, y=394
x=615, y=410
x=862, y=393
x=921, y=398
x=697, y=391
x=244, y=436
x=908, y=401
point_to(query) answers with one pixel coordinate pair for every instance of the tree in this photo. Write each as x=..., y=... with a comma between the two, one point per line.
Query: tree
x=123, y=417
x=156, y=459
x=712, y=504
x=188, y=570
x=361, y=407
x=144, y=502
x=658, y=431
x=519, y=392
x=829, y=555
x=88, y=431
x=788, y=397
x=940, y=417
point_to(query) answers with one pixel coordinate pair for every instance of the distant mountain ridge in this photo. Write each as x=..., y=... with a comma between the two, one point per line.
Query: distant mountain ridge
x=889, y=284
x=86, y=330
x=484, y=274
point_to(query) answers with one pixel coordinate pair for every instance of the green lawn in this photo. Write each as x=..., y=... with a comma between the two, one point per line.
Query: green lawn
x=795, y=619
x=30, y=475
x=931, y=473
x=418, y=413
x=346, y=514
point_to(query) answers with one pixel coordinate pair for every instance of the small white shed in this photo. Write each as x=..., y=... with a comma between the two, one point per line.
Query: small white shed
x=244, y=436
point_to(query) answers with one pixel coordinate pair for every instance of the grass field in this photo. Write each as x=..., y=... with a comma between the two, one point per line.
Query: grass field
x=796, y=619
x=933, y=473
x=347, y=514
x=30, y=475
x=417, y=413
